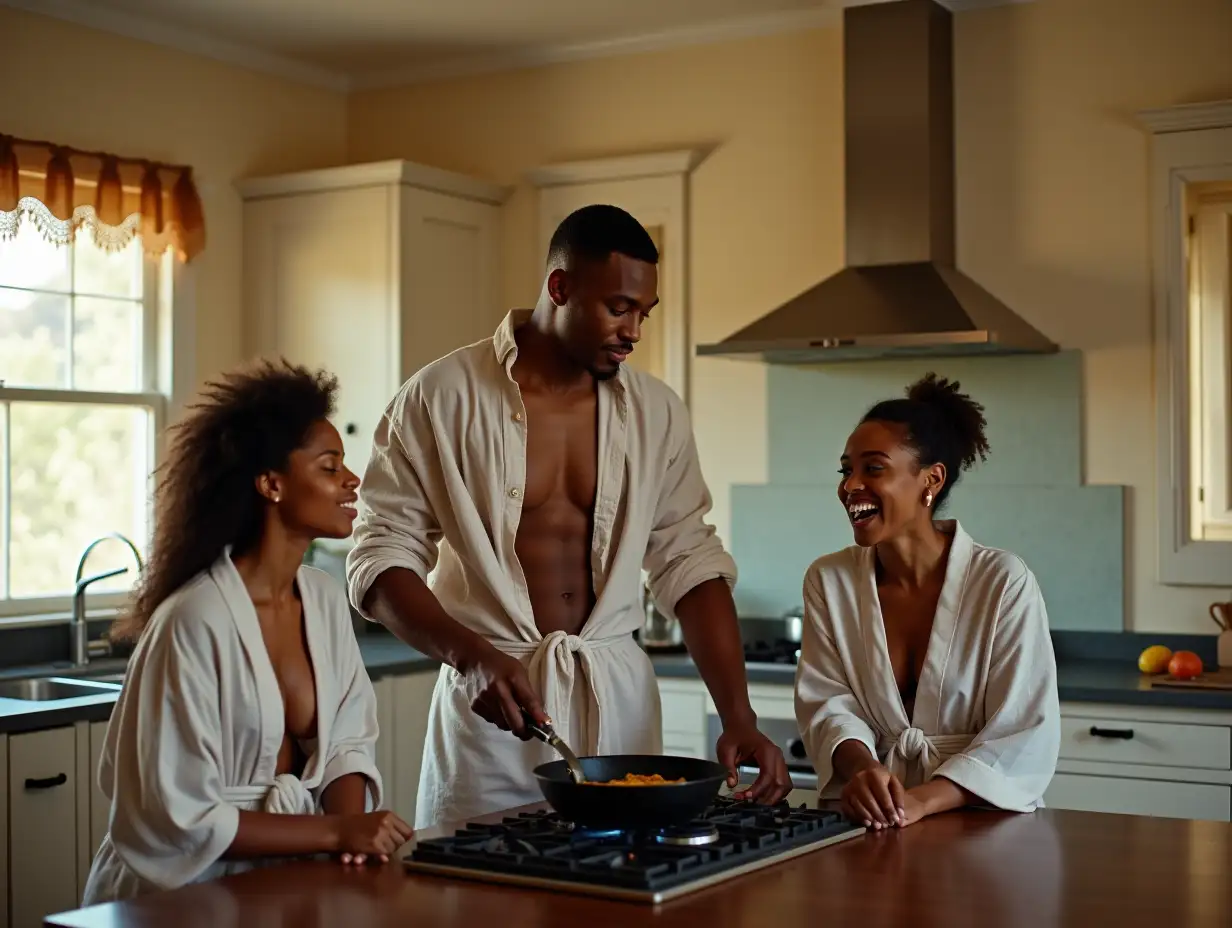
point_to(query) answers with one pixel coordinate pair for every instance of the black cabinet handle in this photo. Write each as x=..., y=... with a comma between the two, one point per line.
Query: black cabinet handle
x=46, y=782
x=1123, y=733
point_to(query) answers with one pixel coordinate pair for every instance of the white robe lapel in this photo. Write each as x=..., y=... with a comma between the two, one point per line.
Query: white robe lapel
x=327, y=695
x=912, y=746
x=929, y=695
x=269, y=696
x=881, y=697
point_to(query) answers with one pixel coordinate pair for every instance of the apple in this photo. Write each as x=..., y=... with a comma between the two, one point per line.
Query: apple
x=1185, y=665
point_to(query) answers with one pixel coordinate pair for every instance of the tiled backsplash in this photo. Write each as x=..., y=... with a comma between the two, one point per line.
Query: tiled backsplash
x=1027, y=498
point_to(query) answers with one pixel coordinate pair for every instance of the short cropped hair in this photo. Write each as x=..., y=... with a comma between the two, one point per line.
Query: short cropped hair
x=594, y=232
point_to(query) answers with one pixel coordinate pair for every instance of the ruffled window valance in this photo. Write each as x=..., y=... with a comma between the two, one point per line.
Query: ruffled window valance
x=63, y=190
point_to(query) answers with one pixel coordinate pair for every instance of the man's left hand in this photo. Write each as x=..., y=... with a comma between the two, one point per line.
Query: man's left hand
x=742, y=743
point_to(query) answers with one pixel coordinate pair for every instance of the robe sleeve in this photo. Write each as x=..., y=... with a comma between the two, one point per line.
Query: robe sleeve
x=683, y=550
x=397, y=526
x=827, y=711
x=1012, y=759
x=353, y=734
x=170, y=822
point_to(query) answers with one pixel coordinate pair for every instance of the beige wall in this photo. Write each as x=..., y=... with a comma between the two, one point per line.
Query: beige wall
x=765, y=205
x=92, y=90
x=1051, y=188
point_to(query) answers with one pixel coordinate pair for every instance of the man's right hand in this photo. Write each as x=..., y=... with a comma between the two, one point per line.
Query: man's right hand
x=504, y=691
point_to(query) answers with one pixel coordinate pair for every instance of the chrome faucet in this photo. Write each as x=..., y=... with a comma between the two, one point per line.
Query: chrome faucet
x=80, y=633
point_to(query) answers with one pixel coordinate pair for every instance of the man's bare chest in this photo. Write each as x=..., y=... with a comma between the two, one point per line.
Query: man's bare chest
x=562, y=444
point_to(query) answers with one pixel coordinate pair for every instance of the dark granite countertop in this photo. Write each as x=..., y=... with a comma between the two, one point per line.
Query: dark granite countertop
x=1082, y=677
x=1095, y=681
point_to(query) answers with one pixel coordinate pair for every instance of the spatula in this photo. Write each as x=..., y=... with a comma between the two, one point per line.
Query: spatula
x=545, y=733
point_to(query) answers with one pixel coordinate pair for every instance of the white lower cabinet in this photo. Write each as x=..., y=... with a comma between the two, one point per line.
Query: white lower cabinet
x=1144, y=760
x=100, y=808
x=683, y=704
x=42, y=794
x=403, y=702
x=687, y=707
x=1129, y=796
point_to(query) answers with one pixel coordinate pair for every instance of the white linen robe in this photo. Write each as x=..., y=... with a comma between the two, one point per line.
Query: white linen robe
x=195, y=734
x=986, y=713
x=442, y=496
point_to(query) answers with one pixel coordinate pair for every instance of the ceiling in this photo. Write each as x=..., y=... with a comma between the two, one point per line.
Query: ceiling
x=366, y=43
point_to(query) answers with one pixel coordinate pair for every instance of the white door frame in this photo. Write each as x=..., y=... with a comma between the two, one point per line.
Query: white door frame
x=654, y=189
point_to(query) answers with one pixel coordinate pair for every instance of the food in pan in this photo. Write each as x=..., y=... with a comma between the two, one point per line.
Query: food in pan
x=639, y=779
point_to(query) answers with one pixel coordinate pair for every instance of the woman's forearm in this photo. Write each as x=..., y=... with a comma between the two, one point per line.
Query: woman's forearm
x=850, y=757
x=347, y=795
x=271, y=834
x=940, y=795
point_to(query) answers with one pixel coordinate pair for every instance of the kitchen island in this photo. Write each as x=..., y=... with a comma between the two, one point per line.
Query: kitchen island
x=973, y=868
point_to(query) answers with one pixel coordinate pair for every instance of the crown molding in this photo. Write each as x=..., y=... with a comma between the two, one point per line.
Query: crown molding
x=1188, y=117
x=373, y=174
x=662, y=40
x=85, y=13
x=964, y=6
x=626, y=167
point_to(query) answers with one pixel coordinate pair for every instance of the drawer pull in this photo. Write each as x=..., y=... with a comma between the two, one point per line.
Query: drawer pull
x=46, y=782
x=1123, y=733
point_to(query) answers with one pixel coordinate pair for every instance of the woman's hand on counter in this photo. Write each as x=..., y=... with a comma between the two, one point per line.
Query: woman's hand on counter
x=372, y=834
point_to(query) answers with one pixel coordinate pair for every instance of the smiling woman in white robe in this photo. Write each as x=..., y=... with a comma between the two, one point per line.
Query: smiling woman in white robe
x=245, y=732
x=196, y=732
x=926, y=677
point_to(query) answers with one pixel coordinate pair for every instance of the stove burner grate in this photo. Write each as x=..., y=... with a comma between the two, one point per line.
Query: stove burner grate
x=540, y=845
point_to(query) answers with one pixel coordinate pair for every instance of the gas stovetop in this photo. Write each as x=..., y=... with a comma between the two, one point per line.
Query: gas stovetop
x=779, y=651
x=541, y=850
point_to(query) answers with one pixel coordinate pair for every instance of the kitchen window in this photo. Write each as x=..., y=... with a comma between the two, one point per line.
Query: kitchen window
x=1191, y=200
x=79, y=411
x=1210, y=351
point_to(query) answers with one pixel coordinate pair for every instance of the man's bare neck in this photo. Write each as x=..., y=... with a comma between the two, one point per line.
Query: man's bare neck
x=543, y=365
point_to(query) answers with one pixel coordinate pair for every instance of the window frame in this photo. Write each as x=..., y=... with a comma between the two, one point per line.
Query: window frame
x=1190, y=144
x=1211, y=319
x=168, y=368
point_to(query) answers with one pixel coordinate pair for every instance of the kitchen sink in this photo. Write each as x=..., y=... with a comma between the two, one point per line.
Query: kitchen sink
x=50, y=689
x=114, y=676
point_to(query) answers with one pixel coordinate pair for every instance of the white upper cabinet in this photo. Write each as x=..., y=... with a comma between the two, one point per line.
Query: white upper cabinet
x=371, y=271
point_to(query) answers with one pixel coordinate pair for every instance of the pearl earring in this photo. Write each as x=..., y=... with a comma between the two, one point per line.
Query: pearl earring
x=277, y=498
x=928, y=499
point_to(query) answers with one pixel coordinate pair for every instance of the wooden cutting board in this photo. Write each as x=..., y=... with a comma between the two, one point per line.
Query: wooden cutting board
x=1210, y=680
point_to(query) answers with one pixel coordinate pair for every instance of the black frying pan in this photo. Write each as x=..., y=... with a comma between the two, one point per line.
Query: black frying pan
x=596, y=806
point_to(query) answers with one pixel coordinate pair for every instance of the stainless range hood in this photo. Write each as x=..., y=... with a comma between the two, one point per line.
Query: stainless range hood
x=900, y=294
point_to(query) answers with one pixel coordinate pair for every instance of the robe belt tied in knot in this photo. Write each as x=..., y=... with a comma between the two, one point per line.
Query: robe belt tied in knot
x=553, y=672
x=285, y=796
x=913, y=747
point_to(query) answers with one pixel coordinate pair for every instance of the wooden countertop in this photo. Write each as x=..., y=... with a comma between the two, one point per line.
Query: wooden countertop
x=963, y=868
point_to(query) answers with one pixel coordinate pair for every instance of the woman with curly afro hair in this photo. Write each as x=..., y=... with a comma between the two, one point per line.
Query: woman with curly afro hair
x=926, y=679
x=246, y=729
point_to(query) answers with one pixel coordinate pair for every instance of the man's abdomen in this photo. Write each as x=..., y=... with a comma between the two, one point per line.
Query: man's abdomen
x=553, y=548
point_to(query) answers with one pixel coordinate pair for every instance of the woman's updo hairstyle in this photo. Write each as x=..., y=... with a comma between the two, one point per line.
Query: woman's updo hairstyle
x=943, y=426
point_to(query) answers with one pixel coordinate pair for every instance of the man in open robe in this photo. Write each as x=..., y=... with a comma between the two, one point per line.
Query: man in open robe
x=986, y=714
x=201, y=720
x=537, y=476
